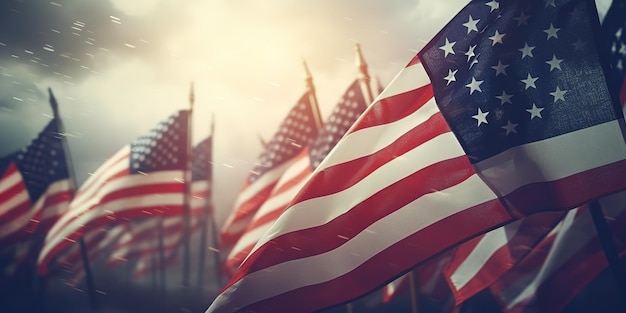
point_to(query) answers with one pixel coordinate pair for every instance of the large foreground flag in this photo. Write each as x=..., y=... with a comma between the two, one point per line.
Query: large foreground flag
x=144, y=178
x=352, y=103
x=296, y=131
x=399, y=188
x=34, y=187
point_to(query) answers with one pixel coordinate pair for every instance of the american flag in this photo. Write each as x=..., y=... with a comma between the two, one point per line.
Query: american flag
x=352, y=103
x=144, y=178
x=296, y=131
x=34, y=187
x=614, y=25
x=521, y=85
x=479, y=262
x=398, y=188
x=563, y=263
x=141, y=244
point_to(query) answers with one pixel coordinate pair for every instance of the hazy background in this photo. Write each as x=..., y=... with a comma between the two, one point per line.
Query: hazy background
x=118, y=67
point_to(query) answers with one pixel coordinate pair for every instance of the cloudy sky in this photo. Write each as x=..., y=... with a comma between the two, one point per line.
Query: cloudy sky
x=118, y=67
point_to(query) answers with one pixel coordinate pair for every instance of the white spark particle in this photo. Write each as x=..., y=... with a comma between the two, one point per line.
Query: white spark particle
x=18, y=99
x=55, y=31
x=28, y=51
x=129, y=45
x=55, y=4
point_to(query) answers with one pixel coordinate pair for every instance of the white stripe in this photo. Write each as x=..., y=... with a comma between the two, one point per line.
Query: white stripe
x=8, y=182
x=372, y=139
x=14, y=201
x=279, y=200
x=484, y=250
x=318, y=211
x=553, y=158
x=248, y=239
x=410, y=219
x=301, y=164
x=89, y=191
x=268, y=178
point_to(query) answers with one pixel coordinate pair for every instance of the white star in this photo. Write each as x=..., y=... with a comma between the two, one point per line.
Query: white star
x=510, y=128
x=496, y=38
x=529, y=81
x=500, y=68
x=493, y=4
x=481, y=117
x=554, y=63
x=550, y=3
x=447, y=48
x=470, y=52
x=535, y=112
x=558, y=94
x=622, y=49
x=450, y=78
x=471, y=24
x=474, y=85
x=527, y=50
x=620, y=65
x=552, y=32
x=504, y=98
x=618, y=33
x=522, y=19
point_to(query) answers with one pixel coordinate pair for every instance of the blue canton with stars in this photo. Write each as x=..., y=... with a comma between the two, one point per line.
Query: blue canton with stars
x=164, y=148
x=346, y=112
x=296, y=132
x=40, y=163
x=508, y=73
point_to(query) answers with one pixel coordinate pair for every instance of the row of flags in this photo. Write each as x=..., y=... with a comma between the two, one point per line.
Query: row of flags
x=477, y=168
x=132, y=208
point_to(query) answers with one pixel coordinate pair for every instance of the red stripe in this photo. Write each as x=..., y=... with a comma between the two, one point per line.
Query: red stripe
x=378, y=270
x=574, y=190
x=324, y=238
x=394, y=108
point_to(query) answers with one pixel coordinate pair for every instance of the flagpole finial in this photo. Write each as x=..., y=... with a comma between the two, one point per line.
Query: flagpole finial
x=360, y=62
x=53, y=102
x=308, y=77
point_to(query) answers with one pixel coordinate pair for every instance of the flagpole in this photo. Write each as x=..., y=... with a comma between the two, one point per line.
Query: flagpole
x=608, y=245
x=161, y=262
x=186, y=208
x=363, y=76
x=91, y=288
x=413, y=291
x=310, y=88
x=209, y=218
